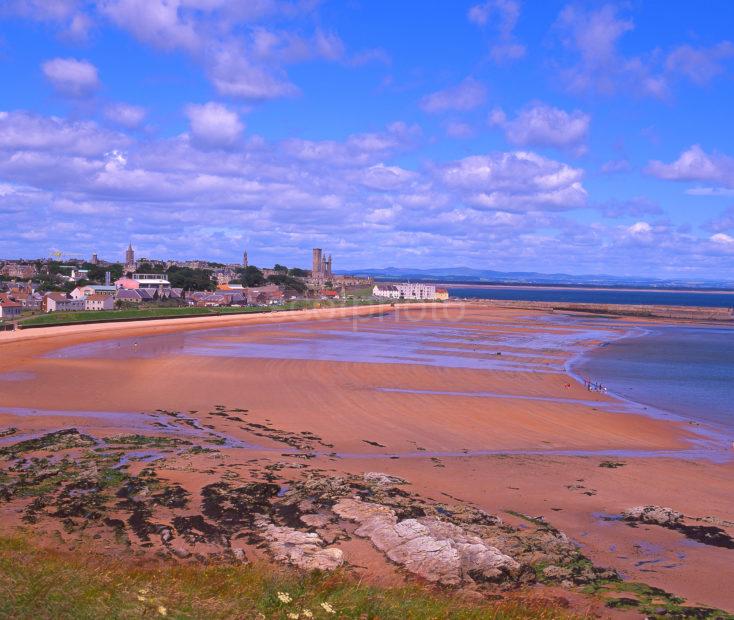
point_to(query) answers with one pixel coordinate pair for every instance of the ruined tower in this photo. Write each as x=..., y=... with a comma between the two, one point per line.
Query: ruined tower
x=317, y=267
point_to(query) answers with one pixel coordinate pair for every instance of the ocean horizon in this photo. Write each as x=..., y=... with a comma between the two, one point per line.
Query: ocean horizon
x=653, y=297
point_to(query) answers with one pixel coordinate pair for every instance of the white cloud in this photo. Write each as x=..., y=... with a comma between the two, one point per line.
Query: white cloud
x=539, y=124
x=385, y=177
x=71, y=77
x=639, y=228
x=233, y=75
x=694, y=164
x=125, y=115
x=723, y=239
x=21, y=132
x=503, y=15
x=700, y=65
x=465, y=96
x=156, y=22
x=598, y=66
x=214, y=125
x=515, y=181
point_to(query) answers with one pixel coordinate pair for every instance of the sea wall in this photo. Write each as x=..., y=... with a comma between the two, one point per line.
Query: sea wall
x=692, y=313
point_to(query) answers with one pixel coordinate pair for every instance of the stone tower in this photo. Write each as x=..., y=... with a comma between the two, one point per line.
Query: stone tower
x=244, y=260
x=130, y=256
x=317, y=268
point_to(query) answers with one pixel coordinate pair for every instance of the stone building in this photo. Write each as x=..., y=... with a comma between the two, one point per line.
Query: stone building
x=321, y=266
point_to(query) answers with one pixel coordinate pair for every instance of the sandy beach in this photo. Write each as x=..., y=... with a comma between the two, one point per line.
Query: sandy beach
x=467, y=403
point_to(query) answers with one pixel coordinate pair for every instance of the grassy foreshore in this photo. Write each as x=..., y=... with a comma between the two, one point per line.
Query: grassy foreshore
x=43, y=583
x=67, y=318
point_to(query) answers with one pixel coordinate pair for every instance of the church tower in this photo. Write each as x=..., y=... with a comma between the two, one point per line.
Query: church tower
x=244, y=260
x=130, y=258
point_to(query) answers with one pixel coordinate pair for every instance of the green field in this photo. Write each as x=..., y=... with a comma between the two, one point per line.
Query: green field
x=42, y=583
x=66, y=318
x=62, y=318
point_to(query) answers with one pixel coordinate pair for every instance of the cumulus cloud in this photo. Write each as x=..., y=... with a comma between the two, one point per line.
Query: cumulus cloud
x=157, y=22
x=280, y=198
x=639, y=228
x=503, y=14
x=699, y=64
x=539, y=124
x=596, y=64
x=22, y=132
x=592, y=37
x=722, y=239
x=694, y=164
x=515, y=181
x=71, y=77
x=214, y=125
x=385, y=177
x=125, y=115
x=465, y=96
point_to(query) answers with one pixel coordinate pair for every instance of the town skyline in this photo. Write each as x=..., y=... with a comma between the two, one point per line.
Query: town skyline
x=555, y=138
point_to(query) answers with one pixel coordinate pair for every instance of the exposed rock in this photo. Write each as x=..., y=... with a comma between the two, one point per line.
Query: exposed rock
x=356, y=510
x=437, y=551
x=180, y=552
x=657, y=515
x=315, y=520
x=239, y=554
x=305, y=550
x=380, y=478
x=556, y=572
x=669, y=518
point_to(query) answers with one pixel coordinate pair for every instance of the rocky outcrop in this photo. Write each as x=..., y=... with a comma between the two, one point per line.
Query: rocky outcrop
x=657, y=515
x=434, y=550
x=669, y=518
x=305, y=550
x=376, y=477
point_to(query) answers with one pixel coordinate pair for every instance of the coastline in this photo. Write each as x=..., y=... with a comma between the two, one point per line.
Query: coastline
x=715, y=430
x=622, y=289
x=506, y=438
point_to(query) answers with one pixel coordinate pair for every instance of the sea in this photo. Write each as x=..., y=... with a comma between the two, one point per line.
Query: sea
x=687, y=371
x=710, y=299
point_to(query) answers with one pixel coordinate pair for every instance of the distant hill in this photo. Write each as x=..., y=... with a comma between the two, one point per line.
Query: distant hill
x=467, y=275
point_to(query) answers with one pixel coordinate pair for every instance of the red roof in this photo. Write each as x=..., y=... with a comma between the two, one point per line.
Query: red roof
x=10, y=304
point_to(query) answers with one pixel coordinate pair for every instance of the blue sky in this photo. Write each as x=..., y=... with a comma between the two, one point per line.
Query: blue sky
x=548, y=136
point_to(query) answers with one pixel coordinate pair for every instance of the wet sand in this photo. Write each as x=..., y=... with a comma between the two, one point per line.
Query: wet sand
x=420, y=393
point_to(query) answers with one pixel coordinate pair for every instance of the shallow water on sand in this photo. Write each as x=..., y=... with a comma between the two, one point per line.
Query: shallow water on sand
x=688, y=371
x=368, y=340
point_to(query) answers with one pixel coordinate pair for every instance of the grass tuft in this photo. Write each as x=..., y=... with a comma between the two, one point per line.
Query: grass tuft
x=42, y=583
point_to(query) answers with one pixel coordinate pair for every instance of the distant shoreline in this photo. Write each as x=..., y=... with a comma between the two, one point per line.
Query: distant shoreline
x=565, y=287
x=578, y=287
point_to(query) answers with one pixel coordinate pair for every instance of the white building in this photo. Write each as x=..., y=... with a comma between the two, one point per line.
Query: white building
x=406, y=290
x=10, y=310
x=389, y=291
x=58, y=302
x=82, y=292
x=99, y=301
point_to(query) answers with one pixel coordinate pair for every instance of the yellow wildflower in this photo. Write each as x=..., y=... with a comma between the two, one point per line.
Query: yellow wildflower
x=162, y=610
x=307, y=613
x=284, y=597
x=328, y=608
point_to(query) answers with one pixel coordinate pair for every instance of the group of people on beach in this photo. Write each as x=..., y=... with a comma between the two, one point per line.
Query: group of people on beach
x=594, y=387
